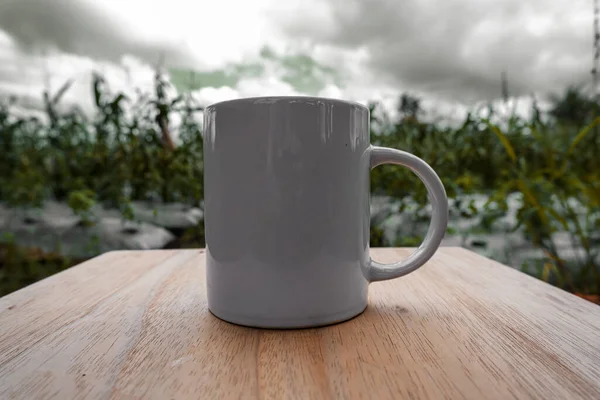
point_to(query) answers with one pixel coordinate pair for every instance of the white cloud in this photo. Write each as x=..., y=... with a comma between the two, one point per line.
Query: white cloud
x=455, y=50
x=209, y=95
x=201, y=33
x=266, y=86
x=447, y=52
x=27, y=75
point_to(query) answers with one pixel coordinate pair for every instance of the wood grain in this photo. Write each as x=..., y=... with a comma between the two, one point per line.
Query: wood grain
x=135, y=325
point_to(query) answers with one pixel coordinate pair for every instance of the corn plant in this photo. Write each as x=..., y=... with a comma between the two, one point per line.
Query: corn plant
x=130, y=150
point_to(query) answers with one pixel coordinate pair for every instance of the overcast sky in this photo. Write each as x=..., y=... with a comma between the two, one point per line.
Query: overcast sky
x=446, y=50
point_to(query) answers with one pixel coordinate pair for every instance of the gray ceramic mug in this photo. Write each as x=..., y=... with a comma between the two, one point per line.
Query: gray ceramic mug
x=287, y=210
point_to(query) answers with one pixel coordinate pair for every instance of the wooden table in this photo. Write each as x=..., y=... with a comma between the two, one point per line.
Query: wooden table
x=134, y=325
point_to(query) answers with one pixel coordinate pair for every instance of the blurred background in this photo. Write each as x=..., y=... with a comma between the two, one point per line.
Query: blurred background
x=101, y=120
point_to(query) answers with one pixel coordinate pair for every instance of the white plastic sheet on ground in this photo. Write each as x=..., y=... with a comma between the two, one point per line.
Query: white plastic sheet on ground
x=112, y=234
x=167, y=215
x=500, y=243
x=54, y=228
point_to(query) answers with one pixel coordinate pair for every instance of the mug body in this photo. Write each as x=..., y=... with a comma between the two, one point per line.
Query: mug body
x=286, y=210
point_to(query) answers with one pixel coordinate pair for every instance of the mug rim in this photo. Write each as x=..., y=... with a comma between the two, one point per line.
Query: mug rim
x=275, y=99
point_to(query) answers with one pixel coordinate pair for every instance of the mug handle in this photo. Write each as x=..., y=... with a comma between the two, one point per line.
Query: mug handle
x=439, y=220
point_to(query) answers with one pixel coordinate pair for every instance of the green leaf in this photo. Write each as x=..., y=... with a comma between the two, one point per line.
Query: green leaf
x=530, y=198
x=584, y=132
x=503, y=139
x=559, y=218
x=177, y=100
x=536, y=134
x=61, y=92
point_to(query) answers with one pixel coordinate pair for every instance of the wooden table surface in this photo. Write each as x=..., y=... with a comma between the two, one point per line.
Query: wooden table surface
x=135, y=325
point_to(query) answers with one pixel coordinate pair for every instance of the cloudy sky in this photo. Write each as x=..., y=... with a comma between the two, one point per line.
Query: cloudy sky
x=448, y=51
